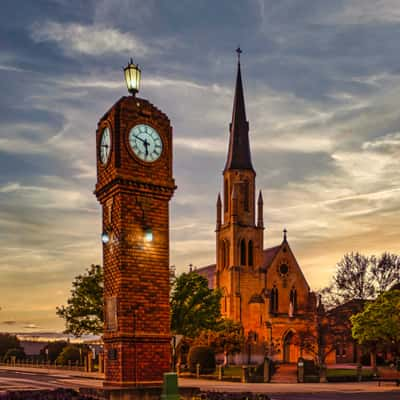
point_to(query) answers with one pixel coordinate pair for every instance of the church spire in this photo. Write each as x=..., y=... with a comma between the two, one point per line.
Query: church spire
x=239, y=156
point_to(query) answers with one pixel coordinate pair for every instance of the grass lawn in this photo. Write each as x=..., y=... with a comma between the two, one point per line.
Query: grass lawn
x=347, y=372
x=233, y=371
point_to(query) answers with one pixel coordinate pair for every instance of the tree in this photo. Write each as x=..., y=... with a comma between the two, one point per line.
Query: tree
x=385, y=271
x=72, y=353
x=194, y=307
x=227, y=338
x=52, y=350
x=7, y=342
x=84, y=312
x=319, y=343
x=379, y=323
x=17, y=354
x=361, y=277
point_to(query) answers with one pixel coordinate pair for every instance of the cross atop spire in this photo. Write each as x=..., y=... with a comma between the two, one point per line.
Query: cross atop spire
x=239, y=52
x=285, y=234
x=239, y=156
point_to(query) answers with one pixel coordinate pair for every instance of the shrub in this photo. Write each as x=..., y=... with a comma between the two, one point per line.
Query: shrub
x=310, y=369
x=69, y=353
x=52, y=350
x=204, y=356
x=18, y=353
x=8, y=341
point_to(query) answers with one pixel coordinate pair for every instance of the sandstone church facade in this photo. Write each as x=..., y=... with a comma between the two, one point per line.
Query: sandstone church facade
x=264, y=289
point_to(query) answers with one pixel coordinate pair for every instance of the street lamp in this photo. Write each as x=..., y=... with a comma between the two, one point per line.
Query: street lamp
x=268, y=325
x=148, y=234
x=132, y=77
x=105, y=237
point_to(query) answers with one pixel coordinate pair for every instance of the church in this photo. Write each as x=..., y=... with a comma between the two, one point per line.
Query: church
x=263, y=289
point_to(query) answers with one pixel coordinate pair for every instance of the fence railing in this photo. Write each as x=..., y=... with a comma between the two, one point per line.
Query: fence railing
x=71, y=366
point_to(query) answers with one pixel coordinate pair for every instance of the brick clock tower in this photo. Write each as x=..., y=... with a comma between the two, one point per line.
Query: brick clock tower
x=134, y=186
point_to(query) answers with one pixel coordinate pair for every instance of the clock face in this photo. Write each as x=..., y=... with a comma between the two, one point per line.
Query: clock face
x=145, y=142
x=105, y=146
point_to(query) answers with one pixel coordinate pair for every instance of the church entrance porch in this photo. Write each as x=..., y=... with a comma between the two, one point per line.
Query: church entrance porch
x=291, y=351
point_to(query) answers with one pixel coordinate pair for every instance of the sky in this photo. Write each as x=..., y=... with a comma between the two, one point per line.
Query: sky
x=322, y=89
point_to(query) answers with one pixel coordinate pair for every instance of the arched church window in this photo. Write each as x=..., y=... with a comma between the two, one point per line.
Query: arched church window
x=273, y=300
x=242, y=252
x=246, y=200
x=223, y=254
x=250, y=252
x=293, y=299
x=226, y=253
x=226, y=195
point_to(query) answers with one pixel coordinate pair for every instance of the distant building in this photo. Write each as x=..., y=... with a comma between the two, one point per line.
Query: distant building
x=33, y=343
x=347, y=348
x=32, y=348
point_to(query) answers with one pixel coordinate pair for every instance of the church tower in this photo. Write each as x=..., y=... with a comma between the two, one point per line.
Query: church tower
x=239, y=238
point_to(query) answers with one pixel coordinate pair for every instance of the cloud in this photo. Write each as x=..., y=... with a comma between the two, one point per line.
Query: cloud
x=364, y=12
x=46, y=197
x=31, y=326
x=209, y=145
x=11, y=68
x=9, y=322
x=387, y=143
x=91, y=40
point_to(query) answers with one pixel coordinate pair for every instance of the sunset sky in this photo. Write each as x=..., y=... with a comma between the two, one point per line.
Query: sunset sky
x=322, y=91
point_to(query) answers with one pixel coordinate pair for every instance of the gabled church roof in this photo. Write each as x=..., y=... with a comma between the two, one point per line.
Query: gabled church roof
x=239, y=156
x=269, y=255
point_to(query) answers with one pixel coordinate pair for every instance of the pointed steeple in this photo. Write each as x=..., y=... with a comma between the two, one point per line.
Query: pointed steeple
x=260, y=203
x=239, y=156
x=219, y=208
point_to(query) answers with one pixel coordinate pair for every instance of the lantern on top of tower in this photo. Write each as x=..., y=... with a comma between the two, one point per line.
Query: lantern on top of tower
x=132, y=74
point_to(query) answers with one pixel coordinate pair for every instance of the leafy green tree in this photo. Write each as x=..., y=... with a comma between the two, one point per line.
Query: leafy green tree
x=380, y=321
x=7, y=342
x=52, y=350
x=194, y=307
x=72, y=353
x=84, y=311
x=227, y=338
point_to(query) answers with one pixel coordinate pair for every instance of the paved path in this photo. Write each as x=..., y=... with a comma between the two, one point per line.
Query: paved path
x=304, y=391
x=25, y=378
x=290, y=387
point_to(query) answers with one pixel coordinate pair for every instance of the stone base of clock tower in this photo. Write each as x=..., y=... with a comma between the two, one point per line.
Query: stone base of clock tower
x=137, y=362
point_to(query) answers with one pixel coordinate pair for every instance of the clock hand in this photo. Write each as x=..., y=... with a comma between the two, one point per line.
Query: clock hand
x=142, y=140
x=146, y=145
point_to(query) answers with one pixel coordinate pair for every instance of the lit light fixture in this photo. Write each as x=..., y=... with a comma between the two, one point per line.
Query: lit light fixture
x=105, y=238
x=148, y=235
x=132, y=77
